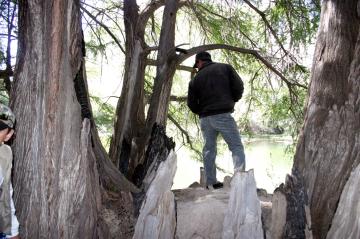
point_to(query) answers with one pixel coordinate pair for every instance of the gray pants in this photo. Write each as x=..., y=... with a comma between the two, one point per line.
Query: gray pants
x=224, y=124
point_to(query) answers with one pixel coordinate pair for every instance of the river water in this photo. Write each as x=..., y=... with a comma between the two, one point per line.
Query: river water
x=269, y=156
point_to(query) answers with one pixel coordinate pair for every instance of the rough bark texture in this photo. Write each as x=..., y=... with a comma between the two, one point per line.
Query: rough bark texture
x=278, y=214
x=295, y=221
x=200, y=212
x=132, y=134
x=55, y=176
x=130, y=108
x=328, y=148
x=166, y=68
x=157, y=217
x=158, y=150
x=346, y=223
x=243, y=215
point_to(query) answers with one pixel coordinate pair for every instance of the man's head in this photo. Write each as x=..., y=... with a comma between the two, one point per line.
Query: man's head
x=201, y=58
x=7, y=123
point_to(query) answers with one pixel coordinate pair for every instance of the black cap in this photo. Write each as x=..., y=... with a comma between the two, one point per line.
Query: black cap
x=204, y=56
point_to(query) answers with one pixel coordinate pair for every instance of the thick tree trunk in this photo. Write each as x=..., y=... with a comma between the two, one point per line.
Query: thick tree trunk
x=329, y=146
x=167, y=60
x=131, y=134
x=56, y=181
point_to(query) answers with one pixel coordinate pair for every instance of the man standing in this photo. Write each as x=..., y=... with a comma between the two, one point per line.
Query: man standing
x=212, y=95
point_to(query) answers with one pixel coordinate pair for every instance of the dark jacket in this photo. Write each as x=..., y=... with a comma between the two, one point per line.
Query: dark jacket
x=214, y=90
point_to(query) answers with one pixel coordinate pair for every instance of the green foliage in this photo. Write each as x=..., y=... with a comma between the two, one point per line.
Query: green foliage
x=4, y=98
x=267, y=99
x=104, y=118
x=281, y=34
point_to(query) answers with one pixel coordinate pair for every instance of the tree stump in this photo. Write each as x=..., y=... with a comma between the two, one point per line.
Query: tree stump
x=243, y=216
x=157, y=217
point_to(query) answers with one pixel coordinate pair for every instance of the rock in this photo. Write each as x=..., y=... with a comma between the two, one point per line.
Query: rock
x=261, y=192
x=195, y=185
x=200, y=212
x=157, y=214
x=346, y=223
x=227, y=181
x=243, y=215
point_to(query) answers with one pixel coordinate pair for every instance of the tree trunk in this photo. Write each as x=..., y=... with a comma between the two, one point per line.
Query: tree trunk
x=329, y=145
x=130, y=108
x=166, y=68
x=55, y=177
x=131, y=134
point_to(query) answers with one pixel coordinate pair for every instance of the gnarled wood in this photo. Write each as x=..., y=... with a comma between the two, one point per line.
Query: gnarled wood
x=243, y=216
x=55, y=176
x=157, y=215
x=328, y=148
x=346, y=223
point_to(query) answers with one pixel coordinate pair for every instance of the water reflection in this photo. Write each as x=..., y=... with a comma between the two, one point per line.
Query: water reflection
x=269, y=156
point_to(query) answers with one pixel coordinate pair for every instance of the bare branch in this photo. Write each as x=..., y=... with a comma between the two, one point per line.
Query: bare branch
x=255, y=53
x=268, y=25
x=6, y=35
x=185, y=133
x=104, y=12
x=199, y=17
x=105, y=28
x=178, y=98
x=152, y=62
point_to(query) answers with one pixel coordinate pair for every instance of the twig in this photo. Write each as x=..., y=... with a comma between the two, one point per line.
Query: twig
x=105, y=28
x=183, y=132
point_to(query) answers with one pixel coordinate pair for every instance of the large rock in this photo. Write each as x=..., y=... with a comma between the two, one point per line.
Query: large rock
x=157, y=217
x=200, y=213
x=243, y=215
x=346, y=223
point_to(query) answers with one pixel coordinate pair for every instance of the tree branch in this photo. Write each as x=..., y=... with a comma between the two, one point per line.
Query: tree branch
x=149, y=10
x=267, y=23
x=185, y=133
x=152, y=62
x=105, y=28
x=255, y=53
x=178, y=98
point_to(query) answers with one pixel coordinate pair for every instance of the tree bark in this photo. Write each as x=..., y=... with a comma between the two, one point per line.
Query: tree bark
x=55, y=176
x=165, y=69
x=130, y=116
x=131, y=133
x=329, y=146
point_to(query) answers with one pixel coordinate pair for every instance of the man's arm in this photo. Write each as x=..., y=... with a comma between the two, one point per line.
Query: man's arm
x=236, y=84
